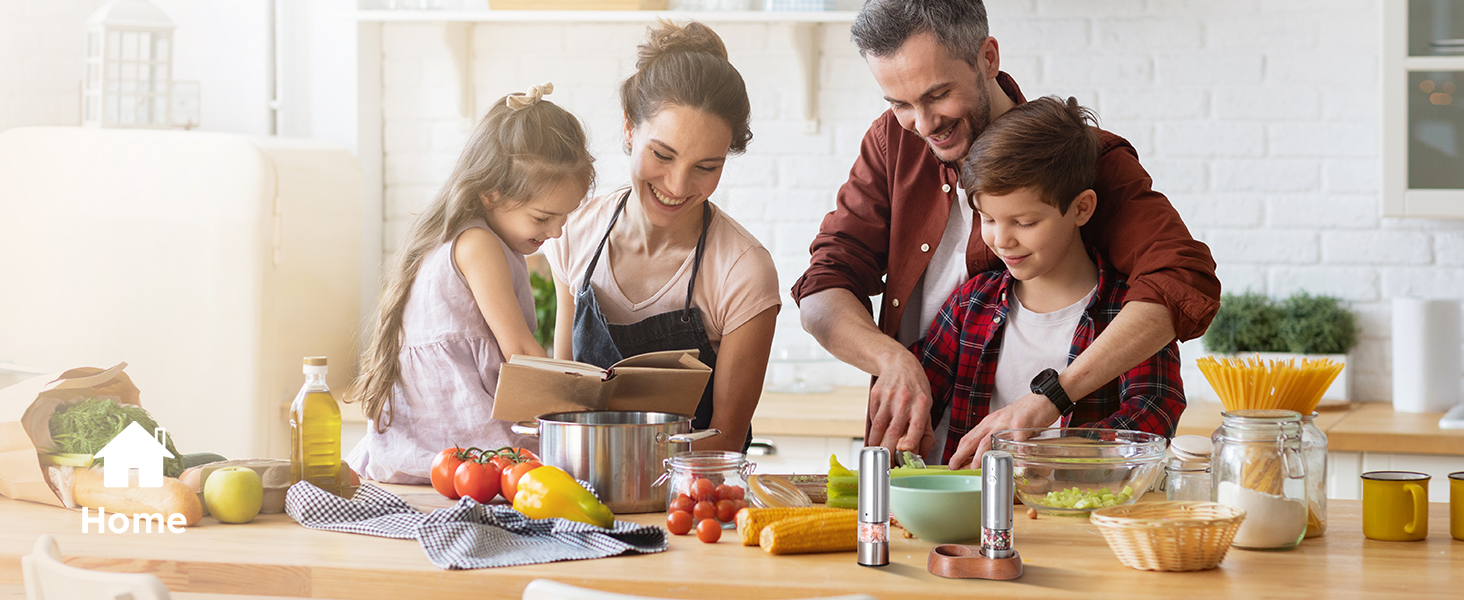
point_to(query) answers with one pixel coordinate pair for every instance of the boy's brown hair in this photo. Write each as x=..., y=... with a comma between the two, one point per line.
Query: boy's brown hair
x=1046, y=144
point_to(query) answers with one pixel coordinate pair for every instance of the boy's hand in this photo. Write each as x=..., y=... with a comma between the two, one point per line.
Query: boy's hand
x=1032, y=410
x=899, y=406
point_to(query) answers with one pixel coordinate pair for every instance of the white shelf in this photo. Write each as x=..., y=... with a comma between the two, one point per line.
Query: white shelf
x=601, y=16
x=1434, y=63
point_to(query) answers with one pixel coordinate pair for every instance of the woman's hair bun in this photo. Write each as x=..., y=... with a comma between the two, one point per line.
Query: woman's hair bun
x=666, y=38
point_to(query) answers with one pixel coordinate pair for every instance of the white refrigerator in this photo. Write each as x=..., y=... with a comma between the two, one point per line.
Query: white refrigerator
x=211, y=263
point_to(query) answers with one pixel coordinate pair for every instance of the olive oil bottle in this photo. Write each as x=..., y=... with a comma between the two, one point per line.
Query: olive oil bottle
x=315, y=431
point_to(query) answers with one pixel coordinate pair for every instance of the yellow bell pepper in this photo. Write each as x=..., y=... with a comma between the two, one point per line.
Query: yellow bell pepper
x=548, y=492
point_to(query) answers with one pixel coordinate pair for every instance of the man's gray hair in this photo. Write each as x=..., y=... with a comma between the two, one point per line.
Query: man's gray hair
x=883, y=26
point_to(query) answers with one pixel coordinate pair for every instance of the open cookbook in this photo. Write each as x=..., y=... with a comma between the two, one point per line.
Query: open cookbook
x=669, y=381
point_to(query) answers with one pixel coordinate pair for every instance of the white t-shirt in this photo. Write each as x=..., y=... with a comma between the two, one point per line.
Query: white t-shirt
x=1031, y=342
x=946, y=272
x=737, y=280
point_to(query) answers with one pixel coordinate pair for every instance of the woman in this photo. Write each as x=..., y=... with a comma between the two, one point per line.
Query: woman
x=655, y=265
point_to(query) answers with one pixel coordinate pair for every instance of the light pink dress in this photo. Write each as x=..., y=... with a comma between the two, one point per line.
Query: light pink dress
x=449, y=372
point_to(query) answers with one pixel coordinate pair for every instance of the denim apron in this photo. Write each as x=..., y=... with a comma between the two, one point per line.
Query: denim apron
x=601, y=343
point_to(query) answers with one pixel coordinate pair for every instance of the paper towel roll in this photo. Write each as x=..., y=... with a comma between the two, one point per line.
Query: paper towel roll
x=1425, y=355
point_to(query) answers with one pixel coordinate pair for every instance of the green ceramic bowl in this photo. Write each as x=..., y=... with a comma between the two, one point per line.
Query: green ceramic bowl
x=940, y=509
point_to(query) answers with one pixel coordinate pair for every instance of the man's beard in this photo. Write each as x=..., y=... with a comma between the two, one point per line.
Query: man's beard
x=976, y=122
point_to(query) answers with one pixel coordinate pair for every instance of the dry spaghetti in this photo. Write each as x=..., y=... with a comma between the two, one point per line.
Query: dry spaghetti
x=1245, y=383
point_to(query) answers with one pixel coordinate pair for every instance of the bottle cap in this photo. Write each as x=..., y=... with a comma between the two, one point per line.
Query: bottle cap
x=315, y=361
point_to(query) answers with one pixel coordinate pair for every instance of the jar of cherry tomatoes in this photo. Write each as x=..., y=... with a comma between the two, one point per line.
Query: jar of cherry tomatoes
x=707, y=485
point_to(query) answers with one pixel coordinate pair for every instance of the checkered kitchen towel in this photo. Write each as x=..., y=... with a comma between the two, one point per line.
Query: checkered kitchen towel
x=468, y=535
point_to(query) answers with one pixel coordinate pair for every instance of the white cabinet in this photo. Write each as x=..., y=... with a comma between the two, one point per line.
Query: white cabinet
x=1345, y=469
x=804, y=455
x=1423, y=108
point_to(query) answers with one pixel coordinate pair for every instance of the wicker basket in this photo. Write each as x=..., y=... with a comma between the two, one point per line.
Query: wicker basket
x=1169, y=536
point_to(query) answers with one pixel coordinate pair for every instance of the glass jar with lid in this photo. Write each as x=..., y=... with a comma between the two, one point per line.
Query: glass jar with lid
x=1187, y=471
x=1314, y=448
x=718, y=479
x=1258, y=466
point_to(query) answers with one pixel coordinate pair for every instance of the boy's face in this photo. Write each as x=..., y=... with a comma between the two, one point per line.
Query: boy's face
x=1031, y=236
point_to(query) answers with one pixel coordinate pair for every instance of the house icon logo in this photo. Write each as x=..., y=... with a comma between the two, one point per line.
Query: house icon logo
x=134, y=449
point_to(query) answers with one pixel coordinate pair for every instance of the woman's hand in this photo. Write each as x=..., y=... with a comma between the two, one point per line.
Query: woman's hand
x=741, y=364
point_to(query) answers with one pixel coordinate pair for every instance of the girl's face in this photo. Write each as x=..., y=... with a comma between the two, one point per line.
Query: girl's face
x=526, y=226
x=676, y=160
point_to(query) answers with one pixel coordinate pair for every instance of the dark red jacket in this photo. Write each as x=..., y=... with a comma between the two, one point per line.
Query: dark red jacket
x=898, y=197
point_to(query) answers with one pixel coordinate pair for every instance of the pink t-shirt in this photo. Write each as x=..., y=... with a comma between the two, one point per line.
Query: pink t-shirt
x=736, y=283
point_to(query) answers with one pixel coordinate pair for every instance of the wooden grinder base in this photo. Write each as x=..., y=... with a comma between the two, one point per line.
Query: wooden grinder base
x=955, y=561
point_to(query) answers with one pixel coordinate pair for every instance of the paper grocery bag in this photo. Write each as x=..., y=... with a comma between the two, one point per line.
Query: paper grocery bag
x=25, y=417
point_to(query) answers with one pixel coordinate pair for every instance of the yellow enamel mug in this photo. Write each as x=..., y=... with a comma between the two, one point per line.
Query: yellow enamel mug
x=1456, y=505
x=1395, y=506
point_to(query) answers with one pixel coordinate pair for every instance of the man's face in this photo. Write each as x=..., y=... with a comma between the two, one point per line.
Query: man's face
x=935, y=95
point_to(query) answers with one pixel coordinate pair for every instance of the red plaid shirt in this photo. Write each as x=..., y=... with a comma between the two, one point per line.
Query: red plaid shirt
x=961, y=349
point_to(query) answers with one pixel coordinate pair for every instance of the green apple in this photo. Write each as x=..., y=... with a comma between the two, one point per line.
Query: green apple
x=233, y=494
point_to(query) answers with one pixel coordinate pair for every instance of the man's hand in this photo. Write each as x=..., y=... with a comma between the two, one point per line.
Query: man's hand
x=1032, y=410
x=899, y=406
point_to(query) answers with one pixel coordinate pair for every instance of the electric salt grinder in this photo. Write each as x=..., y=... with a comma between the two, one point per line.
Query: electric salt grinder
x=996, y=505
x=874, y=506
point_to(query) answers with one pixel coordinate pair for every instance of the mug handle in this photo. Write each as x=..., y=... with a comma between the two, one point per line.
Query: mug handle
x=1420, y=507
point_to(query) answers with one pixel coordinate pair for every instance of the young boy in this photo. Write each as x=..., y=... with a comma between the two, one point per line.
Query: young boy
x=1006, y=334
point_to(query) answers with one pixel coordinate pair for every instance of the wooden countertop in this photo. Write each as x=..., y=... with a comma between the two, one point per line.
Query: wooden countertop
x=1362, y=426
x=1064, y=558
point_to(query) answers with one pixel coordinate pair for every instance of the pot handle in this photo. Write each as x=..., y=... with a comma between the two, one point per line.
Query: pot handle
x=525, y=428
x=686, y=438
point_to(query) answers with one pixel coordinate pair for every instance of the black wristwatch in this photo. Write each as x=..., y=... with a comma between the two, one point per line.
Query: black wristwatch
x=1045, y=383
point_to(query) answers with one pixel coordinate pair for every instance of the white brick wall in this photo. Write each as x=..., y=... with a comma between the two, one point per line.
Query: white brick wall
x=1260, y=119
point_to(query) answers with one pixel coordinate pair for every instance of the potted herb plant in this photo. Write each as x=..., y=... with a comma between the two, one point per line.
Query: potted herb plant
x=1302, y=326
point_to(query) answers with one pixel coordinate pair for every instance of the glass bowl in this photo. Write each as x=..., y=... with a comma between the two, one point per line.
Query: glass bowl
x=1076, y=470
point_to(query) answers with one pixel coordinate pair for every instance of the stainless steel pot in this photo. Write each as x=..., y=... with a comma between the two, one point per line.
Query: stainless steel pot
x=621, y=453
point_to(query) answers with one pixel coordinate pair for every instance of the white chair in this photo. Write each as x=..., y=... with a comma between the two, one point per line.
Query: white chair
x=47, y=578
x=546, y=589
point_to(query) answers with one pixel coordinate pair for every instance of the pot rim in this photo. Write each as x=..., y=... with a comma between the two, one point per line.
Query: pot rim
x=556, y=418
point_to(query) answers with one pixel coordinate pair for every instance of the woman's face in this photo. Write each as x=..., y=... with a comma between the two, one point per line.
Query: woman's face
x=676, y=160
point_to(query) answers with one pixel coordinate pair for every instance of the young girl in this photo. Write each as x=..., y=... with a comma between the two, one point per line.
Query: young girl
x=457, y=302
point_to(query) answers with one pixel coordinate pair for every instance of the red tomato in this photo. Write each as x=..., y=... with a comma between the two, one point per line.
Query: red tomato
x=477, y=480
x=703, y=510
x=525, y=454
x=502, y=461
x=726, y=510
x=444, y=469
x=510, y=478
x=729, y=492
x=683, y=503
x=708, y=530
x=678, y=522
x=704, y=489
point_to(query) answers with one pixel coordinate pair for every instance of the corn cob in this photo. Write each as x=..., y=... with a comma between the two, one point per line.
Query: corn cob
x=751, y=521
x=827, y=532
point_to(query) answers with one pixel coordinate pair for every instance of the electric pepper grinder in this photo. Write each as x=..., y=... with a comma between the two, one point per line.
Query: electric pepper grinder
x=996, y=505
x=874, y=507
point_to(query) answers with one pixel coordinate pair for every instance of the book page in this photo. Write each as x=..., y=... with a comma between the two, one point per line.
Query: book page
x=554, y=364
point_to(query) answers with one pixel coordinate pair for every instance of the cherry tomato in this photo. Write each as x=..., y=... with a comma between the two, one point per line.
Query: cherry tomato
x=444, y=469
x=703, y=510
x=477, y=480
x=708, y=530
x=678, y=522
x=738, y=505
x=730, y=492
x=683, y=503
x=510, y=478
x=726, y=510
x=704, y=489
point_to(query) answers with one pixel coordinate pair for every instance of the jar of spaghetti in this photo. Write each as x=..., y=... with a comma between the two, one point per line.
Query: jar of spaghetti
x=1258, y=466
x=1314, y=448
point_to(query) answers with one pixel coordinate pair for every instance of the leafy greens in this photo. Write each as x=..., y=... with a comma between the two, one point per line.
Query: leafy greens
x=87, y=426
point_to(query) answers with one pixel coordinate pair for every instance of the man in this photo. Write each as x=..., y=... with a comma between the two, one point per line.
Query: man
x=902, y=216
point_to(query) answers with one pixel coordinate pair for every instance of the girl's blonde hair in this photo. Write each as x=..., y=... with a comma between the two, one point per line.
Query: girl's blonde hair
x=514, y=152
